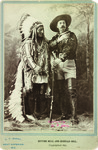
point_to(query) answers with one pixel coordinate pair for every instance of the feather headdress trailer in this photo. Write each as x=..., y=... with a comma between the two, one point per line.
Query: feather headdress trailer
x=14, y=104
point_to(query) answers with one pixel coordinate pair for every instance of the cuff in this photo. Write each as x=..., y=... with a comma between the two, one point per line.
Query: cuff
x=61, y=65
x=57, y=60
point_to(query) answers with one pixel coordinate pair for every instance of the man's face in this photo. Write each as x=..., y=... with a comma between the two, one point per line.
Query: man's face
x=61, y=25
x=40, y=31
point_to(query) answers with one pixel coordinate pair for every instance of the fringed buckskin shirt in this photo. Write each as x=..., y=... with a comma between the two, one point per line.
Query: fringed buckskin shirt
x=31, y=59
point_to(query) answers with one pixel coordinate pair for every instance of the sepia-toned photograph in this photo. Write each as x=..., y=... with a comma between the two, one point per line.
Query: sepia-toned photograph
x=48, y=67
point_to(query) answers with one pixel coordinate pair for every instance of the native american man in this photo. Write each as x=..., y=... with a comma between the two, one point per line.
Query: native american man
x=28, y=98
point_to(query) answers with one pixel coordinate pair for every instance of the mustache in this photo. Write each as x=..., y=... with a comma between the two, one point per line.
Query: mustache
x=62, y=26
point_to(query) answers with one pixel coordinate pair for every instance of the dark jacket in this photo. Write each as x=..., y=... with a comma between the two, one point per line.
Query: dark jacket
x=67, y=47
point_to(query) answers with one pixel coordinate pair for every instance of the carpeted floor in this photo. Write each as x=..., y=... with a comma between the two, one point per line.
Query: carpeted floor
x=85, y=124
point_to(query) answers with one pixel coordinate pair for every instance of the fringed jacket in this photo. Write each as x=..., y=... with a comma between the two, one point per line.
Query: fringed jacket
x=32, y=58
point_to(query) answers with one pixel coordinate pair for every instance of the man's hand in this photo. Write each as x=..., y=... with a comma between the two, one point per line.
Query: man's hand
x=56, y=62
x=37, y=69
x=62, y=56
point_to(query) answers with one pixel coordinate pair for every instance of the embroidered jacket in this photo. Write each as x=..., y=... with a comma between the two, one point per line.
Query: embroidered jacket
x=67, y=46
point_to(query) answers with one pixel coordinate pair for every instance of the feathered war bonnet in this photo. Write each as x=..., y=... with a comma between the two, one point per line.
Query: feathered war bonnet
x=28, y=26
x=28, y=29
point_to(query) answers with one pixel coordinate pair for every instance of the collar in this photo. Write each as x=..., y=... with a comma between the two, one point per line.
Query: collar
x=66, y=32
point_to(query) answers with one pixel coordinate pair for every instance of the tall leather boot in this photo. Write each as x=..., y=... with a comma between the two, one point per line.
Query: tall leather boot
x=73, y=103
x=62, y=100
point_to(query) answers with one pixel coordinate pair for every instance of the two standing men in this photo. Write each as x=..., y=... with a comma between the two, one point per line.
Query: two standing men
x=34, y=57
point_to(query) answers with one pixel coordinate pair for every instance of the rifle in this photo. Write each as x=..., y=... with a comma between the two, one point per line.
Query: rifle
x=52, y=89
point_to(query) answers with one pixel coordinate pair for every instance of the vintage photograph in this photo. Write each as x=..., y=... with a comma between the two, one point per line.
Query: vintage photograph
x=48, y=67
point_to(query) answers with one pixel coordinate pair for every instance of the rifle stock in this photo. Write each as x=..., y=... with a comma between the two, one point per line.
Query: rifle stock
x=51, y=109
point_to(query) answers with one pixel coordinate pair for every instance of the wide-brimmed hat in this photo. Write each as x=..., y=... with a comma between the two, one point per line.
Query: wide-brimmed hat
x=53, y=24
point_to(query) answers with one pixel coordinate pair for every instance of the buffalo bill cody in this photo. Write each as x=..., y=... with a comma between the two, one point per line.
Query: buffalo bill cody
x=64, y=45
